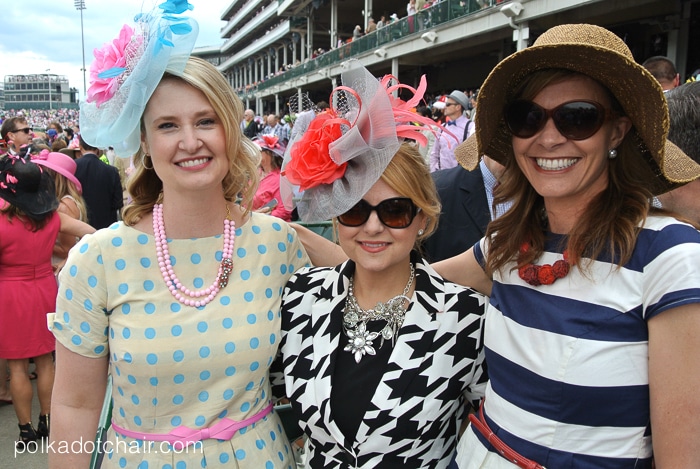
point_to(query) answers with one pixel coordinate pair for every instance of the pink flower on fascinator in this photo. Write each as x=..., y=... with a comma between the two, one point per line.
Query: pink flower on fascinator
x=109, y=64
x=270, y=140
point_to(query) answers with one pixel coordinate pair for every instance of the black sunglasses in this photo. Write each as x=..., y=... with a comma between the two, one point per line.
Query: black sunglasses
x=398, y=212
x=26, y=130
x=575, y=120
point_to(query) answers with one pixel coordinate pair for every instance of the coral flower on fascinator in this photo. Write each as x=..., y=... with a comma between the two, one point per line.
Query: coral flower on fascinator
x=127, y=70
x=345, y=150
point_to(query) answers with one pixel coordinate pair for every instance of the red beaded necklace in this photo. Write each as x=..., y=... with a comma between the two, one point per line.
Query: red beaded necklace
x=545, y=274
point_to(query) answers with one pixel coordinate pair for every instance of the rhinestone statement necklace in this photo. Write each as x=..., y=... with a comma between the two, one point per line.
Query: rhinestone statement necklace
x=355, y=319
x=181, y=293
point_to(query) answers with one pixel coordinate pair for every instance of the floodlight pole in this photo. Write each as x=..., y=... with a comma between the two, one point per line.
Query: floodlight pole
x=80, y=5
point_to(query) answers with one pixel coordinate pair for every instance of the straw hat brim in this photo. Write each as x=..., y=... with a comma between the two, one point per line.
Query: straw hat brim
x=638, y=92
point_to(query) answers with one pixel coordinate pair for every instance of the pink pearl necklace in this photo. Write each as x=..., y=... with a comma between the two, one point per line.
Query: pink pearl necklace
x=177, y=289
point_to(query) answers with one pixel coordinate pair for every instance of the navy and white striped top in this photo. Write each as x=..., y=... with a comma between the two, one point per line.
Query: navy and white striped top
x=568, y=362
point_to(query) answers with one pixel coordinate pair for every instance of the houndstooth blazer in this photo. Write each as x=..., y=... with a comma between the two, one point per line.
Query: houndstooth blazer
x=416, y=412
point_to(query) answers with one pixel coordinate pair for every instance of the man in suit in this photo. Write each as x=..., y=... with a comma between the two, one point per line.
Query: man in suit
x=102, y=188
x=248, y=126
x=466, y=198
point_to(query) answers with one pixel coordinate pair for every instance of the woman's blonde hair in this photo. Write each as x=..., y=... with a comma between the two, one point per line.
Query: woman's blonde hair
x=241, y=180
x=65, y=187
x=610, y=224
x=409, y=175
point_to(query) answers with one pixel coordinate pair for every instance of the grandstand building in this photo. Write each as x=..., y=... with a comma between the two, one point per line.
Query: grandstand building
x=39, y=91
x=275, y=49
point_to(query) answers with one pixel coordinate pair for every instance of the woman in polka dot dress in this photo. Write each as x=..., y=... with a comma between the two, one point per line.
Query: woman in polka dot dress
x=180, y=302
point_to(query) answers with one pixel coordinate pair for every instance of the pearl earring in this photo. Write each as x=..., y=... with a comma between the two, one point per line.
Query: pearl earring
x=612, y=154
x=420, y=232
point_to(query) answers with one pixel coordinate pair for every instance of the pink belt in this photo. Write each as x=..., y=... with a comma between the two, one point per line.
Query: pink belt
x=224, y=429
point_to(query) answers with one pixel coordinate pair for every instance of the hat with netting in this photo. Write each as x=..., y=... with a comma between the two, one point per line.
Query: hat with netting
x=127, y=70
x=603, y=56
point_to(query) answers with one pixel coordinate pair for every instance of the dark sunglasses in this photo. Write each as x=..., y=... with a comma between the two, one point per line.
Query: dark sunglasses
x=398, y=212
x=26, y=130
x=575, y=120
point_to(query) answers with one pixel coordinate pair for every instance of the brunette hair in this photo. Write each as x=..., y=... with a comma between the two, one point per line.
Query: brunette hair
x=610, y=224
x=241, y=180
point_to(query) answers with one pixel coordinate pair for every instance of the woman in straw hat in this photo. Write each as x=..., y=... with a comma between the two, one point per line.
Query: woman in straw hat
x=593, y=328
x=179, y=303
x=382, y=357
x=29, y=225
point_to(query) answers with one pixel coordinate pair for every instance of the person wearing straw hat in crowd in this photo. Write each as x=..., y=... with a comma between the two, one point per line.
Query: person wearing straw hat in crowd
x=593, y=326
x=69, y=194
x=29, y=225
x=179, y=302
x=381, y=357
x=458, y=127
x=268, y=198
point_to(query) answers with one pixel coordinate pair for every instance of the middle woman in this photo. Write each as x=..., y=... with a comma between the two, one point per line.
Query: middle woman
x=380, y=354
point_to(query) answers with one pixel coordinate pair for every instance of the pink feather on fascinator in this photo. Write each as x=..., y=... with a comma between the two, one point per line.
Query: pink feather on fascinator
x=345, y=150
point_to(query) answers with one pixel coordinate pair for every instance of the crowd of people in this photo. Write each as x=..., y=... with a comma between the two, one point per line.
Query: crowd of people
x=513, y=287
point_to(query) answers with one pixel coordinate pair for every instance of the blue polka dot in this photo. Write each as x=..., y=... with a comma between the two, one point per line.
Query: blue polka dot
x=142, y=239
x=179, y=378
x=150, y=308
x=223, y=458
x=266, y=270
x=69, y=294
x=204, y=375
x=198, y=282
x=178, y=399
x=200, y=420
x=116, y=242
x=99, y=259
x=175, y=307
x=230, y=347
x=273, y=436
x=195, y=258
x=120, y=264
x=181, y=465
x=123, y=288
x=87, y=304
x=230, y=371
x=121, y=412
x=202, y=326
x=137, y=420
x=131, y=379
x=85, y=327
x=277, y=227
x=135, y=399
x=273, y=338
x=280, y=455
x=176, y=421
x=256, y=229
x=240, y=454
x=83, y=248
x=122, y=462
x=245, y=407
x=283, y=269
x=150, y=333
x=250, y=386
x=225, y=300
x=176, y=331
x=145, y=262
x=204, y=352
x=260, y=444
x=248, y=296
x=254, y=366
x=245, y=275
x=92, y=281
x=270, y=315
x=58, y=326
x=269, y=465
x=153, y=381
x=173, y=260
x=228, y=394
x=148, y=285
x=203, y=396
x=99, y=349
x=126, y=308
x=152, y=358
x=227, y=323
x=262, y=249
x=126, y=333
x=76, y=340
x=251, y=318
x=240, y=252
x=178, y=355
x=268, y=292
x=254, y=343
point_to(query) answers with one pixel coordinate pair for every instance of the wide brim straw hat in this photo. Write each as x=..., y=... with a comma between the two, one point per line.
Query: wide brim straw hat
x=600, y=54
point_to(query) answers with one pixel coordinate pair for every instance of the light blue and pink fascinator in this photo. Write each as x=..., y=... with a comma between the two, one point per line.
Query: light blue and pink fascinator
x=343, y=152
x=127, y=70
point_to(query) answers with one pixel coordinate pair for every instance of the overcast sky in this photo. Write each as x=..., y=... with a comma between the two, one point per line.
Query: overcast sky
x=36, y=35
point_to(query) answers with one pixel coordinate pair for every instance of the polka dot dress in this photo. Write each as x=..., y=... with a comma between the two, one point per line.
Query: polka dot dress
x=173, y=364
